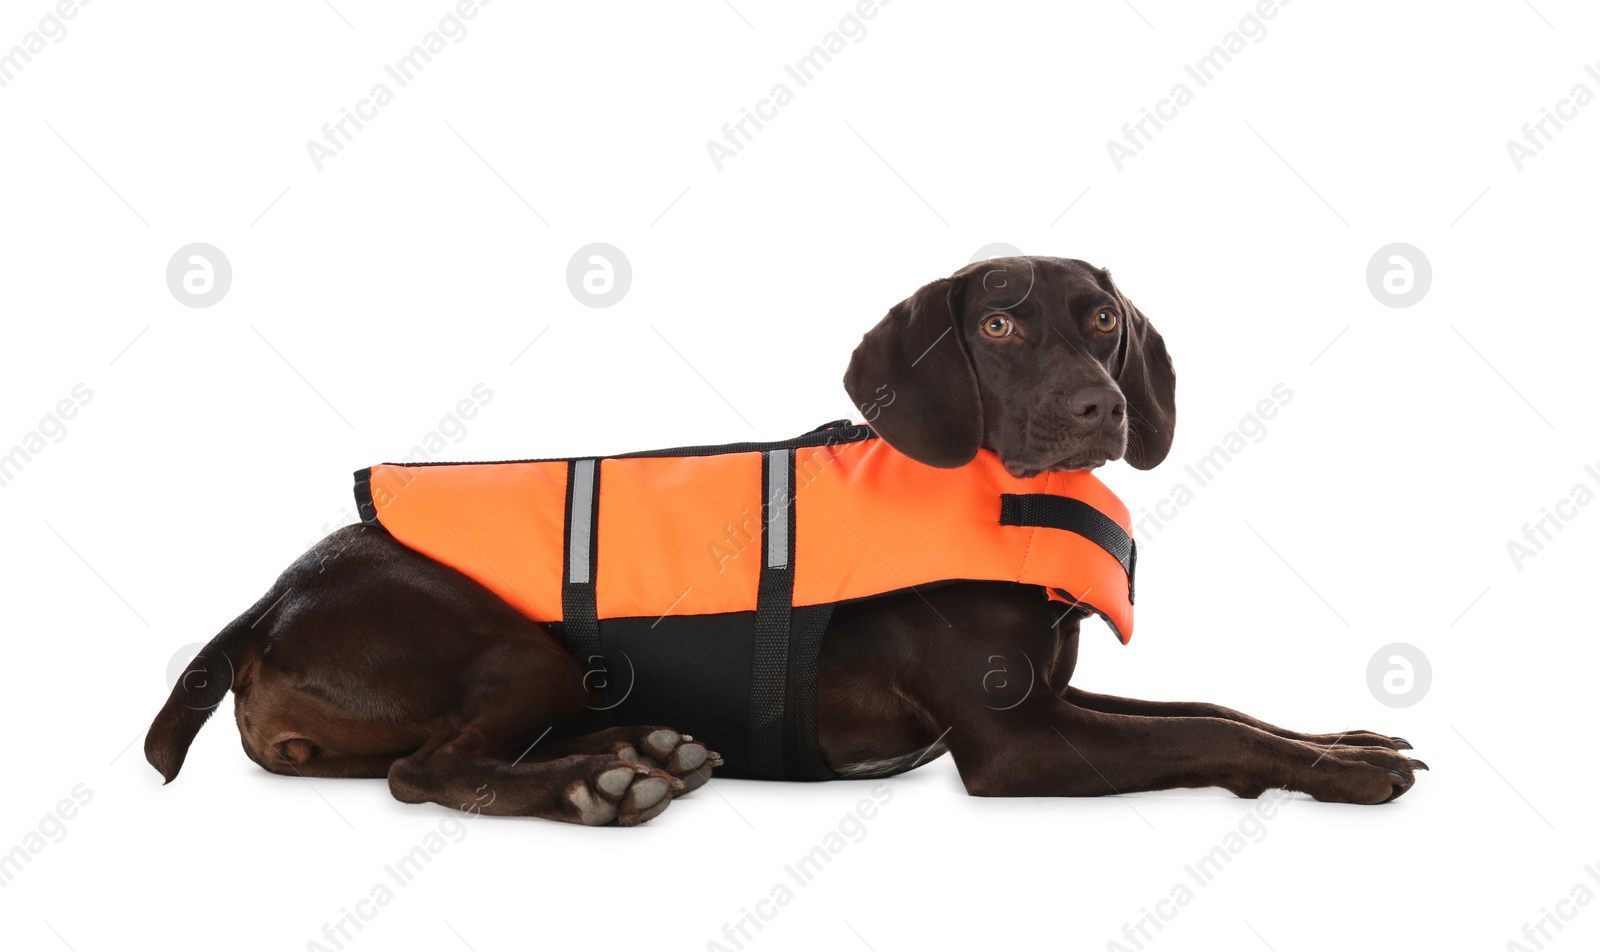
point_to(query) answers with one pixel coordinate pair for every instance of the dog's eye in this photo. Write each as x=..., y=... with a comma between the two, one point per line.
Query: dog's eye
x=997, y=326
x=1105, y=319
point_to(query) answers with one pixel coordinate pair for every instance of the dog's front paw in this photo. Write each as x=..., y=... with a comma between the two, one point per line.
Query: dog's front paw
x=1375, y=774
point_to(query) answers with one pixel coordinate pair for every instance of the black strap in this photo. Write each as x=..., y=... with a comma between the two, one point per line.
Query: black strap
x=831, y=425
x=802, y=754
x=580, y=624
x=365, y=507
x=774, y=601
x=1071, y=515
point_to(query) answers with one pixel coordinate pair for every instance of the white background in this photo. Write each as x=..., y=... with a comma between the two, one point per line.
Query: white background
x=372, y=295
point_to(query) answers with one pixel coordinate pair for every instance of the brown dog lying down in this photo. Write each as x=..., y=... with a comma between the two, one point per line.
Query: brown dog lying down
x=369, y=659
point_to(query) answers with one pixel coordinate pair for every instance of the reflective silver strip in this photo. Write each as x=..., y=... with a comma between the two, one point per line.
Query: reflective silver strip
x=779, y=464
x=578, y=520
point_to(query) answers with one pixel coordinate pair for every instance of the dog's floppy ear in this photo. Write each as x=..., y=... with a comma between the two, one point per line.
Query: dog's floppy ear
x=1149, y=382
x=913, y=381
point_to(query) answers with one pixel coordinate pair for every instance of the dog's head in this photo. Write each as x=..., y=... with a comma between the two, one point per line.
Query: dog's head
x=1042, y=360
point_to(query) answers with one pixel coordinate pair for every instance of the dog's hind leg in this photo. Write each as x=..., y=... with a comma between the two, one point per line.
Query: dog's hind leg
x=367, y=659
x=464, y=729
x=480, y=751
x=593, y=789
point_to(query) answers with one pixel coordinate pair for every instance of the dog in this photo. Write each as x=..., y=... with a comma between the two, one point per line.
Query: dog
x=367, y=658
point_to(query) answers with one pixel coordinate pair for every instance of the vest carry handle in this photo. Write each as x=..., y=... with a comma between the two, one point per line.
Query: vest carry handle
x=1047, y=511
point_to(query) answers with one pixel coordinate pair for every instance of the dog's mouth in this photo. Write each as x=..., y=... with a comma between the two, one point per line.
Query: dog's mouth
x=1077, y=462
x=1081, y=459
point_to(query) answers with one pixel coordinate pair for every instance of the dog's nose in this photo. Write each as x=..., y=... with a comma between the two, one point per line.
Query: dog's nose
x=1096, y=406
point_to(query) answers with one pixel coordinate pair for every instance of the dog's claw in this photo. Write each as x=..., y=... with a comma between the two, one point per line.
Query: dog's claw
x=1401, y=785
x=1400, y=743
x=1417, y=764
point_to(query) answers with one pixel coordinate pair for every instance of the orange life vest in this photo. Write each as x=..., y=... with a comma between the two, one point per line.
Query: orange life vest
x=634, y=556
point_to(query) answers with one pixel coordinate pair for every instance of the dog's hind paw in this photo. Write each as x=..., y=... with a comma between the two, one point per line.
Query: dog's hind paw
x=680, y=755
x=618, y=791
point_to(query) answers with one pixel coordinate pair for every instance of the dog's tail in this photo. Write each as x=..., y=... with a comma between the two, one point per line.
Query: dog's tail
x=204, y=684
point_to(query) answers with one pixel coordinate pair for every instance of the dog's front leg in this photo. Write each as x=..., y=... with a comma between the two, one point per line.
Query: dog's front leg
x=982, y=669
x=1107, y=704
x=1047, y=746
x=1067, y=630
